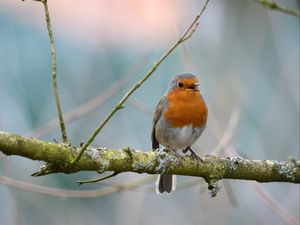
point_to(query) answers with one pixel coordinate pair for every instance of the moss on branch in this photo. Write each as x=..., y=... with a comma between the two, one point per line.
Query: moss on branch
x=58, y=158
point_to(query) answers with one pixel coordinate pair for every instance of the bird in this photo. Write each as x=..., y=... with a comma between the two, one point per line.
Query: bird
x=179, y=120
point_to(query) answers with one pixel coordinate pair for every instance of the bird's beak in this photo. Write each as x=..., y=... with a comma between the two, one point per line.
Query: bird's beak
x=194, y=87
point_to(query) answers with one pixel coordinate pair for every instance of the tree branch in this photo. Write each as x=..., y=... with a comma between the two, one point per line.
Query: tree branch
x=58, y=157
x=54, y=72
x=91, y=104
x=275, y=6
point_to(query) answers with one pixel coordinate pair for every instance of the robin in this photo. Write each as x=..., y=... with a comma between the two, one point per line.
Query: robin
x=179, y=120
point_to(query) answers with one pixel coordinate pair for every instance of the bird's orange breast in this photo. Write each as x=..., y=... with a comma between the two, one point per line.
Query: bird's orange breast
x=185, y=108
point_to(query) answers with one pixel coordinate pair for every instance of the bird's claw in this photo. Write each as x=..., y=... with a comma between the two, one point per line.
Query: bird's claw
x=193, y=154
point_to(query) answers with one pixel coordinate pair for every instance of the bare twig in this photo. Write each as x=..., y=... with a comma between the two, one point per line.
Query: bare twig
x=141, y=107
x=54, y=72
x=265, y=196
x=225, y=141
x=10, y=198
x=73, y=193
x=92, y=104
x=186, y=35
x=80, y=182
x=273, y=204
x=112, y=188
x=262, y=193
x=275, y=6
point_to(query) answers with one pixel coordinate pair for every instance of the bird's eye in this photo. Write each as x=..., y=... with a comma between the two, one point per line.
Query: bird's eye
x=180, y=84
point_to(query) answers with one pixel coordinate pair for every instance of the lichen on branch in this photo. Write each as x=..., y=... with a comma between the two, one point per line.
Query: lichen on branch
x=58, y=157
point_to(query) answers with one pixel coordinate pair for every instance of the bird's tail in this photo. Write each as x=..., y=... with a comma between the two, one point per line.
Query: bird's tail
x=165, y=183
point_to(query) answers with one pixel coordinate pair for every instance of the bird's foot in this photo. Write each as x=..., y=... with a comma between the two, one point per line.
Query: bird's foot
x=193, y=154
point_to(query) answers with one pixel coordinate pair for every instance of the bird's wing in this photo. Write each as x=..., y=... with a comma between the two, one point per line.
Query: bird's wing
x=158, y=112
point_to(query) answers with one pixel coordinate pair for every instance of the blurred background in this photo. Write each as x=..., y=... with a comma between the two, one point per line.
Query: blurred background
x=247, y=58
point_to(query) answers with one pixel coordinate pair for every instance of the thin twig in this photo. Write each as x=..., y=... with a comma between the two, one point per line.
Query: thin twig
x=91, y=104
x=186, y=35
x=263, y=194
x=80, y=182
x=141, y=107
x=229, y=132
x=10, y=182
x=54, y=72
x=267, y=198
x=275, y=6
x=273, y=204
